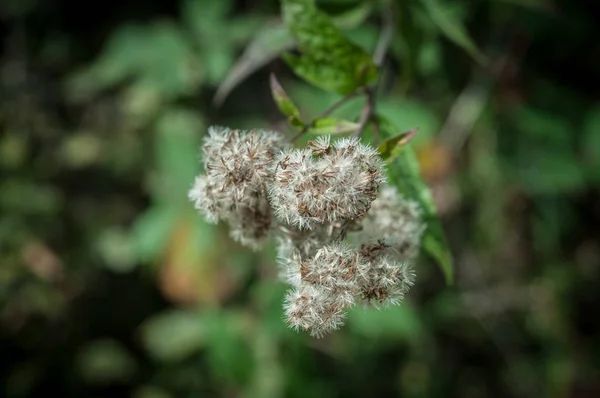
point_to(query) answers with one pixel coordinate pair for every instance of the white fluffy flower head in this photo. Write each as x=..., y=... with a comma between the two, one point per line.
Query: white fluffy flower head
x=343, y=238
x=237, y=165
x=396, y=221
x=326, y=182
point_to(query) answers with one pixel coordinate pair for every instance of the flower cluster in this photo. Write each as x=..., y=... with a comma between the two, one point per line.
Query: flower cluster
x=238, y=165
x=325, y=182
x=344, y=237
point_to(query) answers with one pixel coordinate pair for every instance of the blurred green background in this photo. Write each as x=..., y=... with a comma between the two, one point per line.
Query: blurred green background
x=111, y=285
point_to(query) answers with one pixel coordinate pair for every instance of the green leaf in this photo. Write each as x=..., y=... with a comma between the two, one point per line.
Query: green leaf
x=264, y=47
x=398, y=141
x=452, y=28
x=393, y=321
x=331, y=125
x=206, y=20
x=82, y=149
x=268, y=294
x=283, y=101
x=177, y=141
x=115, y=246
x=157, y=55
x=405, y=175
x=228, y=351
x=151, y=231
x=173, y=335
x=434, y=243
x=269, y=42
x=322, y=73
x=410, y=114
x=328, y=59
x=353, y=17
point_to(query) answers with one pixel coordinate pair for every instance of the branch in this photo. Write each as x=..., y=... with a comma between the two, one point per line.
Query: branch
x=367, y=111
x=327, y=112
x=383, y=44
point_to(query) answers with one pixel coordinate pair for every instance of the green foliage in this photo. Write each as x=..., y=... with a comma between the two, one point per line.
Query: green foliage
x=266, y=45
x=328, y=59
x=404, y=174
x=228, y=350
x=390, y=322
x=536, y=172
x=270, y=41
x=157, y=55
x=216, y=46
x=284, y=103
x=116, y=247
x=176, y=142
x=391, y=147
x=151, y=230
x=110, y=283
x=332, y=126
x=410, y=113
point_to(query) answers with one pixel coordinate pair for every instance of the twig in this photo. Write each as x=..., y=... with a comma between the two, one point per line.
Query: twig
x=376, y=130
x=383, y=44
x=339, y=103
x=327, y=112
x=367, y=112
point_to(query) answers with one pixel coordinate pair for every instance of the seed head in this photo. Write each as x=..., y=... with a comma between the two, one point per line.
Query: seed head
x=251, y=225
x=386, y=282
x=325, y=183
x=394, y=222
x=239, y=161
x=237, y=165
x=309, y=308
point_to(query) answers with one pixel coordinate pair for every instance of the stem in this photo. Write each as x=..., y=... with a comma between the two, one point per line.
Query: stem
x=367, y=112
x=383, y=44
x=339, y=103
x=327, y=112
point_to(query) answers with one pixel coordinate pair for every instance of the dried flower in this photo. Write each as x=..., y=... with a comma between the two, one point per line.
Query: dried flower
x=324, y=287
x=325, y=183
x=395, y=222
x=339, y=243
x=251, y=225
x=204, y=194
x=309, y=308
x=295, y=247
x=335, y=268
x=237, y=164
x=386, y=281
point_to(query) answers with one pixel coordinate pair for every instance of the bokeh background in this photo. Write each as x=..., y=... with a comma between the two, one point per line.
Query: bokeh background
x=111, y=285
